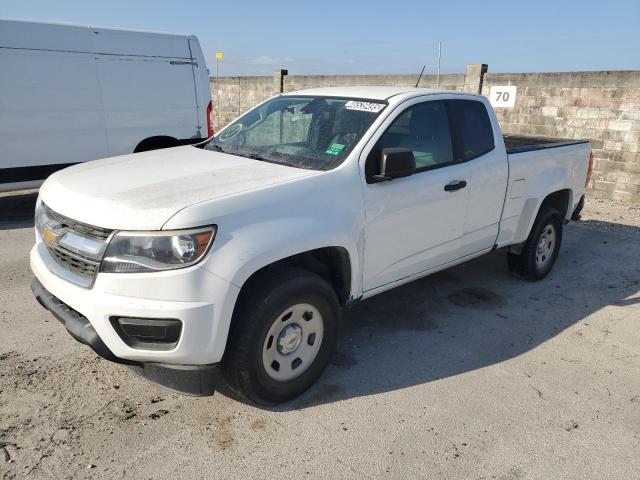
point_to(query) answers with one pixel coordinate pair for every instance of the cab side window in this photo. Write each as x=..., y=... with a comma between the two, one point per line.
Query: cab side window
x=423, y=129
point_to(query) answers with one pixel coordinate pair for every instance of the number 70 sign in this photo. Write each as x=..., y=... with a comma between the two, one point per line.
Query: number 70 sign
x=504, y=97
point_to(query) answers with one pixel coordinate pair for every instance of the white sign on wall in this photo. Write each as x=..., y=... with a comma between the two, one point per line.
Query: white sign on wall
x=502, y=97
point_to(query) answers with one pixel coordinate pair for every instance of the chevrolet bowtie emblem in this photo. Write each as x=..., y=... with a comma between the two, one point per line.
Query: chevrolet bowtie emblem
x=49, y=235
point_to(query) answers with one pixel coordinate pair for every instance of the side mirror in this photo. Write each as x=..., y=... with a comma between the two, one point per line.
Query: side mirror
x=395, y=163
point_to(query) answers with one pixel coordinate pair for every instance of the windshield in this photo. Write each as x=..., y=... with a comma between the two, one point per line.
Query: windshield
x=305, y=132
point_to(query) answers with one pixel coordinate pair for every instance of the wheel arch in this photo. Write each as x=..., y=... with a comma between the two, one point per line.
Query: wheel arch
x=155, y=143
x=561, y=200
x=333, y=263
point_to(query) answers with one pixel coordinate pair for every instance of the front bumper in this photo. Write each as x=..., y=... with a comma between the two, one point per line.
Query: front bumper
x=202, y=301
x=198, y=380
x=77, y=325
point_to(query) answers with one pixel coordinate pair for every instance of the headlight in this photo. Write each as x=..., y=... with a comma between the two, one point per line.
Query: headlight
x=131, y=252
x=40, y=217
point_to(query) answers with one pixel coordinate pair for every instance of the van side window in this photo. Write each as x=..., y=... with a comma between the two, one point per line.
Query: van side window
x=423, y=129
x=474, y=134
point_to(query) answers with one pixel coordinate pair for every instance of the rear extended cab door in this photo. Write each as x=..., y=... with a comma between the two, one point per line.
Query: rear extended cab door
x=480, y=145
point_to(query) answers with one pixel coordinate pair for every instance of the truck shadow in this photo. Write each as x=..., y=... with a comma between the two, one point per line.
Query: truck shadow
x=16, y=210
x=474, y=315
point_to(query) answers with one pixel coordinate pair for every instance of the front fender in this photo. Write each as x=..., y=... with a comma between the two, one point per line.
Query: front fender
x=241, y=253
x=264, y=225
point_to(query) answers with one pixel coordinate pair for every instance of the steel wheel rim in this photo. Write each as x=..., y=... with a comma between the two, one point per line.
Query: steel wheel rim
x=292, y=342
x=546, y=246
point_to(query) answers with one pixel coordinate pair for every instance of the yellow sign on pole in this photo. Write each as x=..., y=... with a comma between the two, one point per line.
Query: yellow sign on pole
x=219, y=56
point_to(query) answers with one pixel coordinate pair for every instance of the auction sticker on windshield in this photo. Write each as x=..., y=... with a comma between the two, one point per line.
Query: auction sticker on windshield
x=364, y=106
x=230, y=132
x=335, y=148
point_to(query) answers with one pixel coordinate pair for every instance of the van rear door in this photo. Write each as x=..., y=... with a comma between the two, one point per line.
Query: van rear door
x=147, y=87
x=202, y=85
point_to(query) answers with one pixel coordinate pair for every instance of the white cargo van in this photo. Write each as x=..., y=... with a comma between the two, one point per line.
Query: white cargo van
x=72, y=93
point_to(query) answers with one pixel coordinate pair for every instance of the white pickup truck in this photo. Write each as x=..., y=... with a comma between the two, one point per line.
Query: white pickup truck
x=240, y=252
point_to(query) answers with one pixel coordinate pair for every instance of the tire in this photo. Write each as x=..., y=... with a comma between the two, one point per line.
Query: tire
x=533, y=263
x=263, y=363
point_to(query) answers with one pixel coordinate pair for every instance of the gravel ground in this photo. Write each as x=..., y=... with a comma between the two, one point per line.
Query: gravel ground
x=468, y=374
x=611, y=215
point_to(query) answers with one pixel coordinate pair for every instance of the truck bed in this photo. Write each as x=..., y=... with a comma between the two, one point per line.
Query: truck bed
x=527, y=143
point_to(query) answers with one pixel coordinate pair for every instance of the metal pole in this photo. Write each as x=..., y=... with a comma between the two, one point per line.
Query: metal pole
x=217, y=93
x=439, y=57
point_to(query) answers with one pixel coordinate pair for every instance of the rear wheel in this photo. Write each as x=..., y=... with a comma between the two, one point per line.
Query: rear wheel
x=284, y=332
x=541, y=249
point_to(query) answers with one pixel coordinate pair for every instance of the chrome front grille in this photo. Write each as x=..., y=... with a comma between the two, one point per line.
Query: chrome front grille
x=81, y=228
x=78, y=267
x=74, y=263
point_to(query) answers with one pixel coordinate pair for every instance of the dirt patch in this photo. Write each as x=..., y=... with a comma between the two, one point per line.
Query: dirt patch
x=257, y=424
x=223, y=433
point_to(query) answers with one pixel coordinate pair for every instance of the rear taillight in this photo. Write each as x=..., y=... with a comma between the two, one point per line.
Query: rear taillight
x=590, y=171
x=209, y=123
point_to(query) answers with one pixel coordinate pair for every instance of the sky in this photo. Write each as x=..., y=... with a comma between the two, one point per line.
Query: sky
x=370, y=37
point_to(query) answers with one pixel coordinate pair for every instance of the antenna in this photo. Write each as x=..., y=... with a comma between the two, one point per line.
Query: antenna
x=423, y=67
x=439, y=58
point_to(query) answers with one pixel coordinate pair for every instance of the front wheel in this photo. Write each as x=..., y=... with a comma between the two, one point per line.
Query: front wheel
x=541, y=249
x=283, y=334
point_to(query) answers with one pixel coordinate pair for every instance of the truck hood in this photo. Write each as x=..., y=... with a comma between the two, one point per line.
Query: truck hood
x=143, y=190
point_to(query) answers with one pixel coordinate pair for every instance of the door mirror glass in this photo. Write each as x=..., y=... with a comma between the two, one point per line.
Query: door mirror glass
x=395, y=163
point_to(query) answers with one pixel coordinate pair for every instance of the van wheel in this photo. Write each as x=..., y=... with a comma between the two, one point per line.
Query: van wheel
x=283, y=334
x=541, y=248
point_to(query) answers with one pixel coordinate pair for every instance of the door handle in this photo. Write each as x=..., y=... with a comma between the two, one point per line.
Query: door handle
x=177, y=62
x=455, y=185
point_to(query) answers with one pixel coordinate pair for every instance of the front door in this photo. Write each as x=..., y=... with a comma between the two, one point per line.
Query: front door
x=414, y=224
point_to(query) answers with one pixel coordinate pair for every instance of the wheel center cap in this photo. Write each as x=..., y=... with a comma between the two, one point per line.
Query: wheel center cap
x=289, y=339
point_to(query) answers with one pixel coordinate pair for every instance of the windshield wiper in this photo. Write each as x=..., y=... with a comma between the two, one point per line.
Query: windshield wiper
x=257, y=156
x=216, y=147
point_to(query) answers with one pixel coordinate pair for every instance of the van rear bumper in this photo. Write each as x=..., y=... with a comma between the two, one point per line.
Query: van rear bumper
x=197, y=380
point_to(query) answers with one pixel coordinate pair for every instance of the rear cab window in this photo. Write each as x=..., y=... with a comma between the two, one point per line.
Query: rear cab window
x=472, y=127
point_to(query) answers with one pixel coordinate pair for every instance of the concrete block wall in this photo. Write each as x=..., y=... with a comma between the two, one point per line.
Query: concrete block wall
x=603, y=107
x=235, y=95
